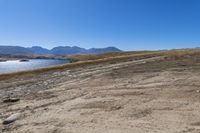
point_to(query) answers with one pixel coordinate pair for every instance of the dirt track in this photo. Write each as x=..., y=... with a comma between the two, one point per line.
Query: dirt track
x=148, y=95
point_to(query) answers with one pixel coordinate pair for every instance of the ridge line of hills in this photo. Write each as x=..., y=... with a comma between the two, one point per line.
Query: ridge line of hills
x=60, y=50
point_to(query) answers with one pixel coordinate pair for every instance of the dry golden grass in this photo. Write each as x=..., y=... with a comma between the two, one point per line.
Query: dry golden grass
x=106, y=55
x=182, y=53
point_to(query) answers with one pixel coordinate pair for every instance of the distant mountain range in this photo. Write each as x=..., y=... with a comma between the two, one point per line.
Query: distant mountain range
x=61, y=50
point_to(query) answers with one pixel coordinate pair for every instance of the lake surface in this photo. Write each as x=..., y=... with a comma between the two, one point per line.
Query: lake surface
x=16, y=65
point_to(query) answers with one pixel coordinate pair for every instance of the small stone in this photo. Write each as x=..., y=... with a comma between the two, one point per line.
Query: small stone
x=11, y=118
x=11, y=100
x=197, y=91
x=46, y=109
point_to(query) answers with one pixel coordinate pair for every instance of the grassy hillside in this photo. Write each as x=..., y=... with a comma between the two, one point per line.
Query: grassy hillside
x=182, y=54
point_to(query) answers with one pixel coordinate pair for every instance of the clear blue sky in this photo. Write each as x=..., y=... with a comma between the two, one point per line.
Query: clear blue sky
x=126, y=24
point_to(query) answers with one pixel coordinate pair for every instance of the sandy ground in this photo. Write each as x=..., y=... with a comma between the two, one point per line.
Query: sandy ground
x=145, y=96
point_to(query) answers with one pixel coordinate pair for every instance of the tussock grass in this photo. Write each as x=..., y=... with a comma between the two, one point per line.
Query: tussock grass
x=106, y=55
x=182, y=53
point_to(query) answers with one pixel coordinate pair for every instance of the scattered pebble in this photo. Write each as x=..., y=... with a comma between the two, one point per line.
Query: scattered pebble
x=11, y=118
x=11, y=100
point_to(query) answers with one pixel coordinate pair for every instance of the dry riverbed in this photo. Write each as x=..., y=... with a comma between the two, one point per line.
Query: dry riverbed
x=148, y=95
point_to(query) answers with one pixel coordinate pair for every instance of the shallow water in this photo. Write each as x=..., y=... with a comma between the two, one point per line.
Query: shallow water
x=16, y=65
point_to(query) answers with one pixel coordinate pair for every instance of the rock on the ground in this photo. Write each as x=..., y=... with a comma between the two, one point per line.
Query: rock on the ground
x=11, y=118
x=11, y=100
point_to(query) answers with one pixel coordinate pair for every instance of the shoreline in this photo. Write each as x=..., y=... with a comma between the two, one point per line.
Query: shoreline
x=79, y=63
x=34, y=69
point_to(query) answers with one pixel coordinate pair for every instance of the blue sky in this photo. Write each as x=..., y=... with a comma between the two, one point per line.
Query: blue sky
x=126, y=24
